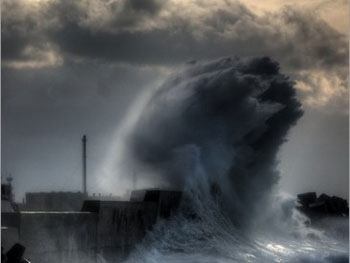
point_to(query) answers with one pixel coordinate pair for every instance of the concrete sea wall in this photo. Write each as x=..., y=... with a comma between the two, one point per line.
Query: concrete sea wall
x=106, y=230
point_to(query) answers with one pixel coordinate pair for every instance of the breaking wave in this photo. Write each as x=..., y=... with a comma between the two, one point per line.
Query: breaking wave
x=214, y=130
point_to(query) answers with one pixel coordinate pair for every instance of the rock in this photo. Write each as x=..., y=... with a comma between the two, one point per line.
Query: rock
x=324, y=205
x=307, y=198
x=340, y=204
x=15, y=254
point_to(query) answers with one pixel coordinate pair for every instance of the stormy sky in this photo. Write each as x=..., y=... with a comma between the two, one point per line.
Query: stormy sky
x=70, y=68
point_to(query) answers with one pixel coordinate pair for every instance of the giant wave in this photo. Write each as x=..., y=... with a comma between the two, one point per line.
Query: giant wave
x=214, y=130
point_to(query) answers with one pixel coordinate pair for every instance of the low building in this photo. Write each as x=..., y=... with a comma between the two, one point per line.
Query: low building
x=54, y=201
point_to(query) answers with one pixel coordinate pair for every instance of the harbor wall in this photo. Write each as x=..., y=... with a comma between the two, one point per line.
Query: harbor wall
x=106, y=230
x=122, y=225
x=58, y=236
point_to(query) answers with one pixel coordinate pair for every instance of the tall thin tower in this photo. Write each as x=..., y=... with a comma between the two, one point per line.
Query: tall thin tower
x=84, y=164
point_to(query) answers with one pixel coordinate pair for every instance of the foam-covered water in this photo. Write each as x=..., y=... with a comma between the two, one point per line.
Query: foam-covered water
x=214, y=131
x=210, y=236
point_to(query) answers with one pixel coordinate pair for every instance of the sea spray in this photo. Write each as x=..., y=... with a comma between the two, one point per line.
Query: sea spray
x=226, y=118
x=214, y=130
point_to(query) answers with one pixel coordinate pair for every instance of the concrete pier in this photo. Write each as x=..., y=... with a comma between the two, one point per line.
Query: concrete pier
x=102, y=229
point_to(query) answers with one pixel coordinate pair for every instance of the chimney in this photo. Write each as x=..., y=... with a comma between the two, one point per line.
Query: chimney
x=84, y=165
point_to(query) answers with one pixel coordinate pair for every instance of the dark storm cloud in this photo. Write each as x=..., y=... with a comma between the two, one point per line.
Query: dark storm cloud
x=120, y=14
x=150, y=7
x=141, y=48
x=19, y=29
x=135, y=32
x=307, y=48
x=300, y=41
x=167, y=33
x=315, y=41
x=29, y=28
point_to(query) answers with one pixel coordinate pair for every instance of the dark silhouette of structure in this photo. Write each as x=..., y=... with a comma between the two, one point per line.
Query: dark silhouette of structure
x=324, y=205
x=84, y=140
x=108, y=229
x=53, y=201
x=15, y=254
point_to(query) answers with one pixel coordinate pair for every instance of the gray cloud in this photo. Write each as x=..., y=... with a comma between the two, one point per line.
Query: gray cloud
x=298, y=38
x=171, y=32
